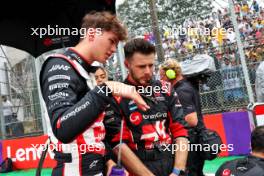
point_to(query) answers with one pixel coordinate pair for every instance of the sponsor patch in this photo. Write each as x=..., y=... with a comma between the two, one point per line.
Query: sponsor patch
x=58, y=95
x=135, y=118
x=156, y=116
x=55, y=77
x=226, y=172
x=75, y=111
x=58, y=86
x=59, y=67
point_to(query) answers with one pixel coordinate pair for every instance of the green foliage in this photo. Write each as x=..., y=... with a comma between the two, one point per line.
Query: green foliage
x=171, y=13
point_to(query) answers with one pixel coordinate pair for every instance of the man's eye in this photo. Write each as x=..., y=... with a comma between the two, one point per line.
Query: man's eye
x=112, y=41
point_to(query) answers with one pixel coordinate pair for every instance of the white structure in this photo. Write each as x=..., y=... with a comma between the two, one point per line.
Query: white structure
x=3, y=73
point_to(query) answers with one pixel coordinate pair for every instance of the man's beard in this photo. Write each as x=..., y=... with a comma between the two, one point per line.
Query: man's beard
x=137, y=80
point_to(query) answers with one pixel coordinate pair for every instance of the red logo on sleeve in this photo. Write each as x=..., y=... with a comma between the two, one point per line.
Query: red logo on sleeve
x=226, y=172
x=135, y=118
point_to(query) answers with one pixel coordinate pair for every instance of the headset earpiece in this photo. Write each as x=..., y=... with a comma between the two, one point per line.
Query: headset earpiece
x=171, y=74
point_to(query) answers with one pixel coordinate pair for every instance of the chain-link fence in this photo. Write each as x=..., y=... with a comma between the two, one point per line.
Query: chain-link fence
x=20, y=101
x=227, y=89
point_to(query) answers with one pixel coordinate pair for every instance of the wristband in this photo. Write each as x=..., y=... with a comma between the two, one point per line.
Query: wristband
x=176, y=171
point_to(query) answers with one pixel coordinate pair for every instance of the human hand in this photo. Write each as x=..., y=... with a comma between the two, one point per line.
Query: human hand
x=127, y=91
x=109, y=165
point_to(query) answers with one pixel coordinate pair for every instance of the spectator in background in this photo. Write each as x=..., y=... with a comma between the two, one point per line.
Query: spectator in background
x=255, y=6
x=231, y=35
x=101, y=75
x=244, y=9
x=237, y=9
x=262, y=13
x=259, y=24
x=259, y=36
x=260, y=54
x=8, y=114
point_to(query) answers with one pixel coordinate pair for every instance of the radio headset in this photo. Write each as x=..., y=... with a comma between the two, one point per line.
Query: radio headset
x=171, y=74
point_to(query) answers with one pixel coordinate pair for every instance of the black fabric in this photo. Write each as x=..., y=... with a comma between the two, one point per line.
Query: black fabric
x=68, y=97
x=161, y=105
x=42, y=158
x=14, y=128
x=211, y=139
x=18, y=18
x=152, y=155
x=161, y=167
x=195, y=162
x=190, y=100
x=6, y=165
x=91, y=164
x=248, y=166
x=72, y=107
x=63, y=157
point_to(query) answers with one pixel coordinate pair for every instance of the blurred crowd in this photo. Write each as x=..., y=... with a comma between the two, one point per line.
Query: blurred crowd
x=215, y=35
x=220, y=39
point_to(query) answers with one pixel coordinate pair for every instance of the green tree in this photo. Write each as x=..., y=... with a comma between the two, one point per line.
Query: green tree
x=171, y=13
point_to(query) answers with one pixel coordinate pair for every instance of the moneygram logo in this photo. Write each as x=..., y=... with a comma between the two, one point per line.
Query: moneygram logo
x=135, y=118
x=158, y=115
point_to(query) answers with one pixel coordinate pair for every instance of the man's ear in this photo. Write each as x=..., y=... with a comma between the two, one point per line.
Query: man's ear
x=126, y=63
x=90, y=34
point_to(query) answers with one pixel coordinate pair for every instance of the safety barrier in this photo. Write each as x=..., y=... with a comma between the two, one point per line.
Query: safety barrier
x=233, y=127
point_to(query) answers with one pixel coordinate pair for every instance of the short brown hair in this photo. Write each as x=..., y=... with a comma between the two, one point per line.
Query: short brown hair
x=105, y=21
x=138, y=45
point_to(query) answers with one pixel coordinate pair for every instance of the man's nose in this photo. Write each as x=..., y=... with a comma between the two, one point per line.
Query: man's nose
x=113, y=48
x=148, y=70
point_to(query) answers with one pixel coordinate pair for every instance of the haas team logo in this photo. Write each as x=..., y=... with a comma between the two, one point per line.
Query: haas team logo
x=226, y=172
x=135, y=118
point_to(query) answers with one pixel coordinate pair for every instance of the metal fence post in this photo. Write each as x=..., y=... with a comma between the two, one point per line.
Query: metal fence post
x=120, y=58
x=37, y=71
x=2, y=120
x=241, y=52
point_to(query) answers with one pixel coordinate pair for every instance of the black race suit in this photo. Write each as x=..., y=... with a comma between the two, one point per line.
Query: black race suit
x=75, y=113
x=149, y=134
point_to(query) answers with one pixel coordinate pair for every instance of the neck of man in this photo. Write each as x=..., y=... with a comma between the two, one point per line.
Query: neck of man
x=134, y=82
x=258, y=154
x=178, y=78
x=84, y=51
x=131, y=80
